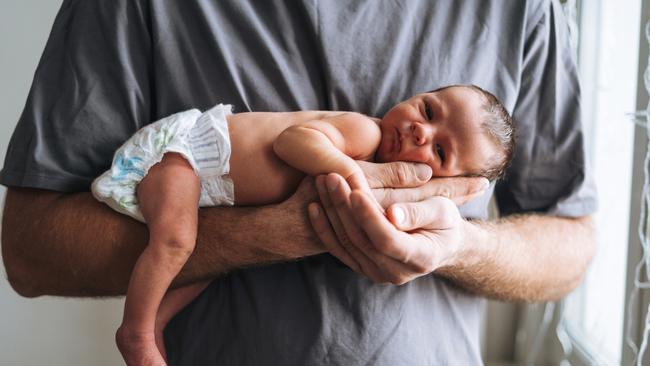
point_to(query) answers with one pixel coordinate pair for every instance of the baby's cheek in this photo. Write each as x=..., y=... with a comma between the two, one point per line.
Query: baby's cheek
x=422, y=155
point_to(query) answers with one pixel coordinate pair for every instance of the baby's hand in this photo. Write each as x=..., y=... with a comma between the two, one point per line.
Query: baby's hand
x=358, y=181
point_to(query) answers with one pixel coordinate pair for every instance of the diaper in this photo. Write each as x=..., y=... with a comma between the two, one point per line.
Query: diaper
x=202, y=139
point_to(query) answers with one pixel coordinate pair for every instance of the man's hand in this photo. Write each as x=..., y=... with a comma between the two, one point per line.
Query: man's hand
x=364, y=239
x=411, y=182
x=528, y=257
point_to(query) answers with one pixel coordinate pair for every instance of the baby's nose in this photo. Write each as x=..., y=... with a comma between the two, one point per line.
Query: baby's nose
x=418, y=134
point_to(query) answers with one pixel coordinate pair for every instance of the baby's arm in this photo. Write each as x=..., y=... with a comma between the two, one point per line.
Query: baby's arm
x=330, y=145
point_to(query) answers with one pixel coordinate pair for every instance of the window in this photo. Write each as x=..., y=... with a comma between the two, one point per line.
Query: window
x=588, y=327
x=594, y=314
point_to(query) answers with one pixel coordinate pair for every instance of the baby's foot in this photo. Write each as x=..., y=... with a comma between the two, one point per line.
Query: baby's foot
x=138, y=349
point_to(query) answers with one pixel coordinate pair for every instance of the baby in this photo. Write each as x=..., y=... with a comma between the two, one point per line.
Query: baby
x=170, y=168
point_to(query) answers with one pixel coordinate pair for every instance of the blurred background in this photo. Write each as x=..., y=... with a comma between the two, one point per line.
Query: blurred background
x=587, y=328
x=47, y=330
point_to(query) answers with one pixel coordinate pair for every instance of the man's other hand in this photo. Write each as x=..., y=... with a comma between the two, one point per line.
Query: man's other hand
x=421, y=231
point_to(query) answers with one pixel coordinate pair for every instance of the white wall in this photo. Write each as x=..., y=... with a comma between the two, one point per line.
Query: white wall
x=43, y=331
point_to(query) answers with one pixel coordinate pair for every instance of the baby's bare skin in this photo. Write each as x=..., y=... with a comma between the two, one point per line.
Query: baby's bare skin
x=259, y=175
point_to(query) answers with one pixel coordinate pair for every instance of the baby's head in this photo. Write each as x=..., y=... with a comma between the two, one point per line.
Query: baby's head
x=459, y=130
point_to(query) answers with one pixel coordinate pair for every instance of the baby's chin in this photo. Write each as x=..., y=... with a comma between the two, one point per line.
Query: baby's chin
x=385, y=153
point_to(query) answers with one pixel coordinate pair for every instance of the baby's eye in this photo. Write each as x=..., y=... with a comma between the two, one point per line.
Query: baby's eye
x=440, y=152
x=428, y=112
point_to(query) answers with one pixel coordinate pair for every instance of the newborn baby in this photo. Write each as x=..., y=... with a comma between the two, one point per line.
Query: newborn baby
x=170, y=168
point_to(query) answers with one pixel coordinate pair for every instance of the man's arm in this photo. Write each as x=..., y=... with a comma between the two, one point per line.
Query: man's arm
x=522, y=258
x=71, y=245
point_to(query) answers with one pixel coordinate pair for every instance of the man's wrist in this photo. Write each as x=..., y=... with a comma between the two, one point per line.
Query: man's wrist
x=299, y=237
x=471, y=249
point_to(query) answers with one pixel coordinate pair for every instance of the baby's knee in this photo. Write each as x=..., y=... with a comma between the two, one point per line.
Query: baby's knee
x=177, y=244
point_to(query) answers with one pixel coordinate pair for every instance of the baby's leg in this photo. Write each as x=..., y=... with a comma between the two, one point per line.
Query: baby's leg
x=173, y=302
x=168, y=198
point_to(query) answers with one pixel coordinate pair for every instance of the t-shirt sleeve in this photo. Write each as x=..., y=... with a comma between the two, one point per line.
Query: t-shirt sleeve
x=550, y=172
x=90, y=92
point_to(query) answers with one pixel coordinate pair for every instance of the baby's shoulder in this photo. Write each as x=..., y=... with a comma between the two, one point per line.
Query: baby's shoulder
x=352, y=117
x=358, y=127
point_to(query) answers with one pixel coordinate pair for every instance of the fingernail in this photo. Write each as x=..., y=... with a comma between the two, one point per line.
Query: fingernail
x=398, y=214
x=423, y=172
x=331, y=184
x=485, y=184
x=313, y=211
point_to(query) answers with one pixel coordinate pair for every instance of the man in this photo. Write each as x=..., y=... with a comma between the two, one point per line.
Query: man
x=112, y=67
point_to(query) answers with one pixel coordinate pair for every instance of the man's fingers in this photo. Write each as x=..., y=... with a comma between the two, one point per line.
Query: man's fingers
x=327, y=236
x=462, y=189
x=381, y=233
x=397, y=174
x=435, y=213
x=458, y=189
x=361, y=236
x=334, y=193
x=330, y=226
x=413, y=251
x=349, y=233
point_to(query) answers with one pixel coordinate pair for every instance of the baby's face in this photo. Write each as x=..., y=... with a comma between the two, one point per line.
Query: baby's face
x=440, y=129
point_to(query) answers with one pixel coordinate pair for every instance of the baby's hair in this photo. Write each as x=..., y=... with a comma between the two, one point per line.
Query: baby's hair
x=497, y=124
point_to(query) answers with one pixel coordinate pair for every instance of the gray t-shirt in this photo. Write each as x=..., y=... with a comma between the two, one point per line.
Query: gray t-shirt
x=111, y=67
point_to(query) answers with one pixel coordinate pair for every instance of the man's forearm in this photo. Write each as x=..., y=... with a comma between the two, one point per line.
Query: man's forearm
x=72, y=245
x=524, y=258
